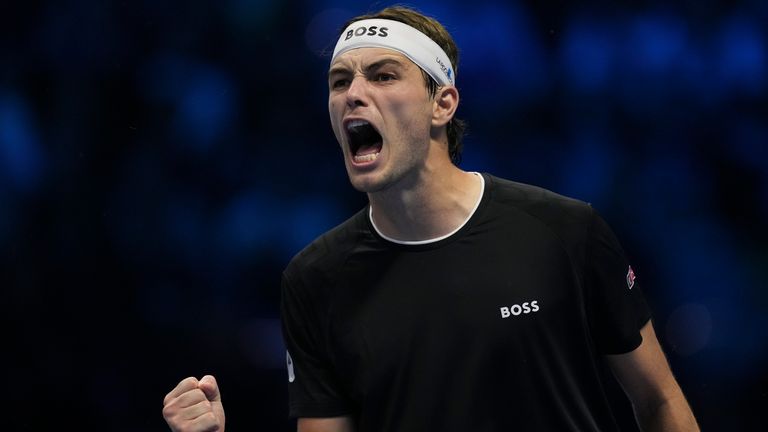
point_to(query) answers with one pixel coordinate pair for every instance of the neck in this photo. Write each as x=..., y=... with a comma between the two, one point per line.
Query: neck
x=430, y=204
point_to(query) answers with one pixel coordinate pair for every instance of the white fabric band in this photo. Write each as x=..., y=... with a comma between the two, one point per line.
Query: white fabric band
x=394, y=35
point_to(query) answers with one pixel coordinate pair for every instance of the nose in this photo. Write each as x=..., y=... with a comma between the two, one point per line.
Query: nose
x=357, y=92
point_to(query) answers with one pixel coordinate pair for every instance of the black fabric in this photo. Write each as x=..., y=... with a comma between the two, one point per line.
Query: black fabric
x=501, y=326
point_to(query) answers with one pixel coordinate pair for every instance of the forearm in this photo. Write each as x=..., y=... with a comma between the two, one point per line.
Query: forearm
x=670, y=415
x=330, y=424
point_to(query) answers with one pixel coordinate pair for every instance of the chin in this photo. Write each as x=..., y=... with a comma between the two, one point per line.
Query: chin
x=365, y=185
x=368, y=182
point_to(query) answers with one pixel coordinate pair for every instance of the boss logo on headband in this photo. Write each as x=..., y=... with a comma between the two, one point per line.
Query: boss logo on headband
x=370, y=31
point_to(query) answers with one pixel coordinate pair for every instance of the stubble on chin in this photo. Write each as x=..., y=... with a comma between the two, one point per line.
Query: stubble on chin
x=368, y=183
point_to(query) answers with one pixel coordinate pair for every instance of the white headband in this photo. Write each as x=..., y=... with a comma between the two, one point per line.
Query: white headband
x=394, y=35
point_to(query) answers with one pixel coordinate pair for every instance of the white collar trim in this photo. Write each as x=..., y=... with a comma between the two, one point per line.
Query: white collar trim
x=436, y=239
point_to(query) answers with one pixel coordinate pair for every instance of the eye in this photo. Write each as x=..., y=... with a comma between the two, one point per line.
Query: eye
x=339, y=83
x=384, y=77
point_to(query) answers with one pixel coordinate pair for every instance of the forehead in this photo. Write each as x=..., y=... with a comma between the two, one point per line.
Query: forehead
x=358, y=58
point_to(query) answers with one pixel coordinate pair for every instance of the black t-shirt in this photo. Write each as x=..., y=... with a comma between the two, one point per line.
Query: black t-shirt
x=500, y=326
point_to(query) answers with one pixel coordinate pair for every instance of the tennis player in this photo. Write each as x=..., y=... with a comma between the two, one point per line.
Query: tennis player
x=455, y=301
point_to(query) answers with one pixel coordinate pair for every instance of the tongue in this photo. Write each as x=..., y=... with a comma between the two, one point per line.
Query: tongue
x=367, y=149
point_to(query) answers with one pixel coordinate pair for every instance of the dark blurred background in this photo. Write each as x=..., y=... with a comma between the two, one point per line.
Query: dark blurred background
x=160, y=163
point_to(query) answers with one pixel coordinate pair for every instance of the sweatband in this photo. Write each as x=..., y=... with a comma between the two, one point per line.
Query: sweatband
x=394, y=35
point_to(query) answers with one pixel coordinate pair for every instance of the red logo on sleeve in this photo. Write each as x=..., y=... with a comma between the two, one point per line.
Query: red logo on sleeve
x=630, y=278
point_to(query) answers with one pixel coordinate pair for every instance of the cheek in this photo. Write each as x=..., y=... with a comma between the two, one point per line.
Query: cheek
x=335, y=118
x=331, y=110
x=413, y=121
x=410, y=110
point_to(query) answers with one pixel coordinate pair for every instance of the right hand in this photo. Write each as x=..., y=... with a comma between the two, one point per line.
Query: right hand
x=194, y=406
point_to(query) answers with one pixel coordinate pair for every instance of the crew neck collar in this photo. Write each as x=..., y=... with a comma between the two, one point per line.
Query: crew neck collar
x=434, y=240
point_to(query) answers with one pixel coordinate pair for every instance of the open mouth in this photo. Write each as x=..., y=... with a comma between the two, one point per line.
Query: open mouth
x=365, y=142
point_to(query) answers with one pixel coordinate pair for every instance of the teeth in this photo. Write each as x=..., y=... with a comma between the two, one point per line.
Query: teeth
x=356, y=123
x=366, y=158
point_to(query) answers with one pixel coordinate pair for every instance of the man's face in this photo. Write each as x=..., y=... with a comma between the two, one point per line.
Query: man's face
x=381, y=115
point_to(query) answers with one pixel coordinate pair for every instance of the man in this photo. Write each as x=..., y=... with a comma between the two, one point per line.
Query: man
x=455, y=301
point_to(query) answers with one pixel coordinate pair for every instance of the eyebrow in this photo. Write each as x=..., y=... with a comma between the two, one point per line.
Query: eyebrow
x=374, y=65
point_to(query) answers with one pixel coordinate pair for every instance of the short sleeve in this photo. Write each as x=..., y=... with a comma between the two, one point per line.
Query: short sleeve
x=313, y=387
x=615, y=303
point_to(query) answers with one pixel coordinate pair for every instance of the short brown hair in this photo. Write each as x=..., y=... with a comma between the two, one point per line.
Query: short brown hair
x=435, y=31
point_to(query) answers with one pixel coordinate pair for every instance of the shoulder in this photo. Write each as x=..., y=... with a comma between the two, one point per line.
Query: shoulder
x=550, y=208
x=545, y=217
x=330, y=250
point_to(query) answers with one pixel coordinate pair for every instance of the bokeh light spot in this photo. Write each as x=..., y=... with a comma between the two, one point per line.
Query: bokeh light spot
x=323, y=30
x=21, y=157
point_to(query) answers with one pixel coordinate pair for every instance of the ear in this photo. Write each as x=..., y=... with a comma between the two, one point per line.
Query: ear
x=445, y=104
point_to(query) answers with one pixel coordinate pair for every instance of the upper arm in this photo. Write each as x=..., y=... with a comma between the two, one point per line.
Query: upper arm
x=315, y=389
x=644, y=373
x=332, y=424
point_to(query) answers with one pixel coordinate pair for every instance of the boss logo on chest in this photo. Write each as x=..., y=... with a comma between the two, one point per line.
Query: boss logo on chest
x=370, y=31
x=519, y=309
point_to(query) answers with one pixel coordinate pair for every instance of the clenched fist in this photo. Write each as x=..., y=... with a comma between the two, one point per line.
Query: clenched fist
x=194, y=406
